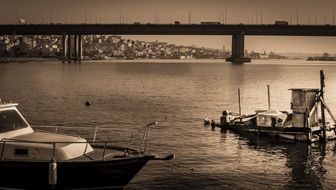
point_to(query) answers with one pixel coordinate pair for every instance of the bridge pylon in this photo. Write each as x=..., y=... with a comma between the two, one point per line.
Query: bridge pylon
x=237, y=49
x=71, y=48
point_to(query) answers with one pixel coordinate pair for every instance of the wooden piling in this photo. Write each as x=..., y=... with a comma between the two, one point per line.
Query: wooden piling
x=322, y=107
x=269, y=97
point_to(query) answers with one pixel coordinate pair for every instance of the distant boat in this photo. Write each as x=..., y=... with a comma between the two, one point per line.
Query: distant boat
x=31, y=159
x=305, y=123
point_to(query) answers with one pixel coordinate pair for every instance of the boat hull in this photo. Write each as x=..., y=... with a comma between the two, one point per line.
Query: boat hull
x=290, y=133
x=110, y=174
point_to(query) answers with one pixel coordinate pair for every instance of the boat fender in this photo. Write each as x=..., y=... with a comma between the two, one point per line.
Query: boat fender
x=170, y=157
x=52, y=173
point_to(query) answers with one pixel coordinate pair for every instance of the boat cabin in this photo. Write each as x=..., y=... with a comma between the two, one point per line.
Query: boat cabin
x=304, y=107
x=19, y=141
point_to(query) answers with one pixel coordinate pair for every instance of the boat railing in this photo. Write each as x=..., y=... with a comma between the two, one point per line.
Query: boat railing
x=104, y=145
x=95, y=142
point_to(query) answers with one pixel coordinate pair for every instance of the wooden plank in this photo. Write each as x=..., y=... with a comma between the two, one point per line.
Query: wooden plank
x=327, y=108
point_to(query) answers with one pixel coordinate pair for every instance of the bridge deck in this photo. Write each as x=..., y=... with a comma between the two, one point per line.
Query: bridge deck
x=169, y=29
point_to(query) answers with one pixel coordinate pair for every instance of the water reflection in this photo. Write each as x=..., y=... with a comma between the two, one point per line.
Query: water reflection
x=183, y=95
x=3, y=70
x=153, y=68
x=306, y=163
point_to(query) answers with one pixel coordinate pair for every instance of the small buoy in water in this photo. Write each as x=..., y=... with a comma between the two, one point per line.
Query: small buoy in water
x=88, y=103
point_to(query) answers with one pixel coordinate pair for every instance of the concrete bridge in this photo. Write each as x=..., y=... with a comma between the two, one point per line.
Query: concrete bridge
x=72, y=43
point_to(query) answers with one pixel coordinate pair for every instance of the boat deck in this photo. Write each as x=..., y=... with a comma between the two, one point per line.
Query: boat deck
x=305, y=134
x=255, y=128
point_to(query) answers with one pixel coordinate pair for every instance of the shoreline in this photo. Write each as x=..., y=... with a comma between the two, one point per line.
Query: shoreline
x=7, y=60
x=47, y=59
x=27, y=59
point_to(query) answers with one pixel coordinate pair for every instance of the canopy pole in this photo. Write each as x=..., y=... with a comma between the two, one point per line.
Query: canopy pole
x=239, y=105
x=269, y=97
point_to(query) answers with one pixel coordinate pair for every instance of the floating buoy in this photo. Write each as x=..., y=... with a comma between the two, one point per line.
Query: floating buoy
x=88, y=103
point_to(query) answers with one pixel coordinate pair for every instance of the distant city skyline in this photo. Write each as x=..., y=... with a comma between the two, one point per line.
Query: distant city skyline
x=186, y=11
x=283, y=44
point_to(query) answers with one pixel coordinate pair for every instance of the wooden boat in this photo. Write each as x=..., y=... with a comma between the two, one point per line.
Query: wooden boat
x=30, y=159
x=305, y=123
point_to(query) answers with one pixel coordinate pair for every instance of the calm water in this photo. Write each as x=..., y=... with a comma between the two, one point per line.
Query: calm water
x=180, y=96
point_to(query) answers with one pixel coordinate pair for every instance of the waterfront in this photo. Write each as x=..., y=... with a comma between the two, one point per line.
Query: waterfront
x=180, y=95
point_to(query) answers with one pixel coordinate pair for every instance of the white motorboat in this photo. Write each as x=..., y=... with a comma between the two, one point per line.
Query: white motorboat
x=31, y=159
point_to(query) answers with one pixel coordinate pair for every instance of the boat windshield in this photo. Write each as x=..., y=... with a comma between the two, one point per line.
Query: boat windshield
x=10, y=120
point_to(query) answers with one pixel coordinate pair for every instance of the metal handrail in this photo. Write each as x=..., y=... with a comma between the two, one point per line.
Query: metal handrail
x=105, y=144
x=54, y=149
x=143, y=144
x=95, y=133
x=129, y=140
x=146, y=134
x=2, y=151
x=54, y=145
x=67, y=127
x=60, y=142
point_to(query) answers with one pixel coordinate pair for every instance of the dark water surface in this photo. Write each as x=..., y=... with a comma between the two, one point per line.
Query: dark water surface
x=180, y=96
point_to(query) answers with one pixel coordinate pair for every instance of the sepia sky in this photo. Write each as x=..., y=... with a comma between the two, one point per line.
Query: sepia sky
x=168, y=11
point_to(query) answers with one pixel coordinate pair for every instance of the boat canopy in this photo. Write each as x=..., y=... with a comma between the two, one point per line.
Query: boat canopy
x=271, y=118
x=272, y=113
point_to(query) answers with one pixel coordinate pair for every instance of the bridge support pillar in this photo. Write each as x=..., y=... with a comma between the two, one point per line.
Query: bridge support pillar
x=75, y=48
x=237, y=52
x=69, y=46
x=64, y=48
x=80, y=52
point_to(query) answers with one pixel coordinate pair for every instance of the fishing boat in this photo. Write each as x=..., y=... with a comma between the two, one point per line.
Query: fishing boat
x=33, y=159
x=306, y=122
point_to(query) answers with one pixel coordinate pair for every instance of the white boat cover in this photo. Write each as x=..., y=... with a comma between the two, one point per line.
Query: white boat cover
x=39, y=146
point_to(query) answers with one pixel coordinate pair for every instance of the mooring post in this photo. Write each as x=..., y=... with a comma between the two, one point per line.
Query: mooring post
x=269, y=97
x=322, y=107
x=239, y=105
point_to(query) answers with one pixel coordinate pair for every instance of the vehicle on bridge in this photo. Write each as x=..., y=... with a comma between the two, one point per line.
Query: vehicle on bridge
x=281, y=22
x=210, y=23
